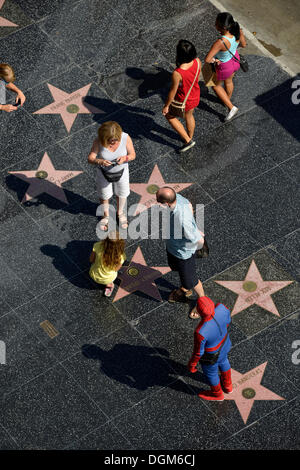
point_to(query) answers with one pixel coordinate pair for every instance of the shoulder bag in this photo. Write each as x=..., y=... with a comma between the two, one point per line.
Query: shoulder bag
x=243, y=62
x=209, y=74
x=177, y=108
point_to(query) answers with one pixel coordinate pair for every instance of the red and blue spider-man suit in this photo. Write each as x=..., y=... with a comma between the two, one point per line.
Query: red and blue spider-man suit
x=209, y=336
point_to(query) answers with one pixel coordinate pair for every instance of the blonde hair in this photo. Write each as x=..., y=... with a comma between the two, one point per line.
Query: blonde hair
x=109, y=130
x=7, y=73
x=113, y=249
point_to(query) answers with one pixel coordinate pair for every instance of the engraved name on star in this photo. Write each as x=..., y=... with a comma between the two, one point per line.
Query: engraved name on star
x=45, y=179
x=148, y=190
x=68, y=105
x=4, y=21
x=247, y=388
x=254, y=290
x=139, y=277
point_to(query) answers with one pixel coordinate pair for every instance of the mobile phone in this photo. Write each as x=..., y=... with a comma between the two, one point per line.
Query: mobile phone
x=18, y=103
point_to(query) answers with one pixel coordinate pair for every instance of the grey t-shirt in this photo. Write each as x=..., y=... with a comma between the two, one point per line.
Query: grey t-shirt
x=2, y=92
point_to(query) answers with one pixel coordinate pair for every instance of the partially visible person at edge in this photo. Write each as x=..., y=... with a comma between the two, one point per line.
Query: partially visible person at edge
x=185, y=238
x=209, y=337
x=182, y=79
x=226, y=65
x=7, y=77
x=112, y=150
x=107, y=258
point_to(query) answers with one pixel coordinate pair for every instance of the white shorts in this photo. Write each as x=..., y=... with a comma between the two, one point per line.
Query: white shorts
x=120, y=188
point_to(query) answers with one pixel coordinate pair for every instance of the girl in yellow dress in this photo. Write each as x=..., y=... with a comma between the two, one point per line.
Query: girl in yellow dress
x=107, y=257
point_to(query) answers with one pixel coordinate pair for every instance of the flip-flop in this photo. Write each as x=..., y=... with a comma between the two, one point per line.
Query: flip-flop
x=194, y=315
x=109, y=290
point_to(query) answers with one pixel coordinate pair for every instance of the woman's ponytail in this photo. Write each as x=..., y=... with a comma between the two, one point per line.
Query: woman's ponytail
x=235, y=30
x=226, y=22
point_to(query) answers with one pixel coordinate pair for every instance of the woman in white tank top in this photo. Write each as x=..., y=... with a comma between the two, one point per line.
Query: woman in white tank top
x=111, y=152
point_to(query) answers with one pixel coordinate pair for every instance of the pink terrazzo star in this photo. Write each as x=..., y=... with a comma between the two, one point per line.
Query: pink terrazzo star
x=139, y=277
x=247, y=388
x=68, y=105
x=46, y=179
x=254, y=290
x=4, y=21
x=148, y=190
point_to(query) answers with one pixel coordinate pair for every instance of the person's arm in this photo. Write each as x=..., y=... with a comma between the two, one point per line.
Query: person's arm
x=190, y=229
x=8, y=108
x=176, y=77
x=243, y=42
x=130, y=152
x=199, y=345
x=20, y=95
x=92, y=157
x=215, y=48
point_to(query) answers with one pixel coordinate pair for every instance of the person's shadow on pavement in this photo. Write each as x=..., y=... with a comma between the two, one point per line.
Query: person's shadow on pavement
x=76, y=251
x=140, y=367
x=151, y=83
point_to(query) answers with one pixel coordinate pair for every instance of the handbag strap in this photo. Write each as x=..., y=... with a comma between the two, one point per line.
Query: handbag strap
x=198, y=67
x=237, y=60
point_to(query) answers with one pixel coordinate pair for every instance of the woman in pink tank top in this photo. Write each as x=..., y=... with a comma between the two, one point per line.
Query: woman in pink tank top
x=182, y=80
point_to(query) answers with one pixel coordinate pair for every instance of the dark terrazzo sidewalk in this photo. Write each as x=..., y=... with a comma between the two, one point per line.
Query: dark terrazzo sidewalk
x=113, y=374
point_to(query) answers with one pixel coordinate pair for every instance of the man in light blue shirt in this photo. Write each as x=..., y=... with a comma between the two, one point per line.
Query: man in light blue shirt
x=185, y=239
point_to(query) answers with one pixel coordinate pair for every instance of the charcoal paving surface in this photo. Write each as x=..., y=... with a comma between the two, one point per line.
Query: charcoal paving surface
x=80, y=371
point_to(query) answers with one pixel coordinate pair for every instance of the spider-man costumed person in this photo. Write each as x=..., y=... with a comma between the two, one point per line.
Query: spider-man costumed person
x=211, y=336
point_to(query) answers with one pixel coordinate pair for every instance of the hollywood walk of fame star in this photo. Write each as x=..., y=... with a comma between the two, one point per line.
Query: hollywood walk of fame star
x=247, y=388
x=148, y=190
x=4, y=21
x=46, y=179
x=68, y=105
x=254, y=290
x=139, y=277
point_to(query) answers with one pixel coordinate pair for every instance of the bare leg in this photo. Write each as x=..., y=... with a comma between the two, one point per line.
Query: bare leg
x=221, y=93
x=229, y=86
x=104, y=203
x=104, y=221
x=121, y=203
x=199, y=289
x=190, y=122
x=200, y=292
x=178, y=127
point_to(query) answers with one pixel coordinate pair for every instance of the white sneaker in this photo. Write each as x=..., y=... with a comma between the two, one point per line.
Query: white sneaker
x=231, y=113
